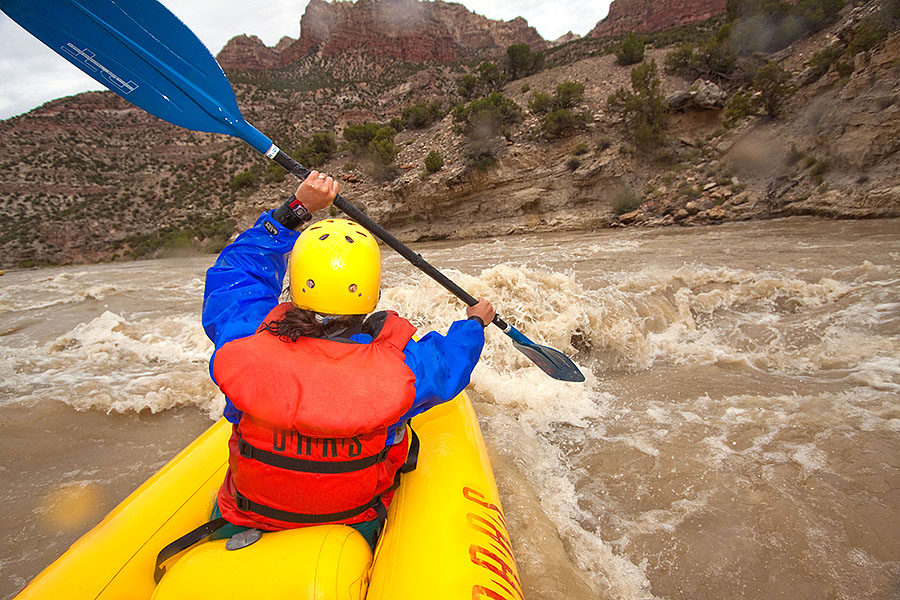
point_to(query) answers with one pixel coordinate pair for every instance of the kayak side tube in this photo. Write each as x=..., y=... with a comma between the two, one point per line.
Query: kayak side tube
x=445, y=537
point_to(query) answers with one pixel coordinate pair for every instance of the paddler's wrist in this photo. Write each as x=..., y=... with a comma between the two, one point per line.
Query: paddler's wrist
x=478, y=320
x=292, y=214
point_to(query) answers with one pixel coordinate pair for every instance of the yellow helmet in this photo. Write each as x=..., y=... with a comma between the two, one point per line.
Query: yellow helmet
x=336, y=269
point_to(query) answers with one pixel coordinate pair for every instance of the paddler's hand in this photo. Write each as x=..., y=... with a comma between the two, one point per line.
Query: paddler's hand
x=483, y=311
x=317, y=191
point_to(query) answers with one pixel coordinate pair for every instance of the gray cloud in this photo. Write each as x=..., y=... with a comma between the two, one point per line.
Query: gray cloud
x=31, y=73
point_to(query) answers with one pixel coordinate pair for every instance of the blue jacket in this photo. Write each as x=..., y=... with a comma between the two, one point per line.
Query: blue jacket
x=245, y=284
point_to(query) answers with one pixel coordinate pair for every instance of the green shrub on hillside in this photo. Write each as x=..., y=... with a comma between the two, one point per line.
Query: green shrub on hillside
x=715, y=57
x=486, y=79
x=422, y=114
x=243, y=180
x=377, y=143
x=774, y=84
x=316, y=151
x=467, y=86
x=274, y=173
x=434, y=162
x=868, y=34
x=681, y=61
x=644, y=107
x=823, y=59
x=540, y=102
x=562, y=122
x=481, y=154
x=488, y=116
x=630, y=51
x=490, y=76
x=739, y=106
x=358, y=135
x=568, y=94
x=397, y=124
x=844, y=68
x=820, y=13
x=382, y=148
x=521, y=61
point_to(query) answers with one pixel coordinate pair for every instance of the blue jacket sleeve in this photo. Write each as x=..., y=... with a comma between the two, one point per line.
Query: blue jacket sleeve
x=443, y=365
x=245, y=284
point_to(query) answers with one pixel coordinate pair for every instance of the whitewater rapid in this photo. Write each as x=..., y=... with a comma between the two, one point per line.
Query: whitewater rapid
x=736, y=436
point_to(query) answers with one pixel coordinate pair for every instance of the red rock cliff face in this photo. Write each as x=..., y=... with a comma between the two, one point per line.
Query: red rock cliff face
x=654, y=15
x=248, y=52
x=405, y=29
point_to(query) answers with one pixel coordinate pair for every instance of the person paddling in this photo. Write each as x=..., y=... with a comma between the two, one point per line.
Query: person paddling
x=320, y=391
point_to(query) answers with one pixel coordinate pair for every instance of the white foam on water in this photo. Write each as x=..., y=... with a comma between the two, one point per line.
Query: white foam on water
x=879, y=372
x=115, y=364
x=56, y=289
x=540, y=462
x=551, y=309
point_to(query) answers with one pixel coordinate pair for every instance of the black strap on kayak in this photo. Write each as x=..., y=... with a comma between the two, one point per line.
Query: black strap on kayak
x=308, y=466
x=185, y=542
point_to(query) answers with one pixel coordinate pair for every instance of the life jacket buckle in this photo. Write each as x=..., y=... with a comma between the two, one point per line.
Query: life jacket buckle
x=245, y=449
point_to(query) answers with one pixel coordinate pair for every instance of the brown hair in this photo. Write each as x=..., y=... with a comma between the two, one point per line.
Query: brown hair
x=299, y=322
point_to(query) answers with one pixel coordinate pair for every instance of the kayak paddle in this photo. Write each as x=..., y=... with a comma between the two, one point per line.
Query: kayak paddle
x=146, y=55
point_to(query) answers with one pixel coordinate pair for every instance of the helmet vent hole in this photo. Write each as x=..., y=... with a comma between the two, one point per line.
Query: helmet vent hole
x=362, y=234
x=323, y=237
x=352, y=287
x=349, y=239
x=310, y=283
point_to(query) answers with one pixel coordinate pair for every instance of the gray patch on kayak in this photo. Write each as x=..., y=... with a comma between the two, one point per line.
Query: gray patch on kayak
x=243, y=539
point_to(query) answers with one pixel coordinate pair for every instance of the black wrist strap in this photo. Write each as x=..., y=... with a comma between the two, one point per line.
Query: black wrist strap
x=292, y=214
x=479, y=319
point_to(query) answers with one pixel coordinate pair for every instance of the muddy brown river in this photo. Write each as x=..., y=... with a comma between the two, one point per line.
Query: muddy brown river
x=738, y=435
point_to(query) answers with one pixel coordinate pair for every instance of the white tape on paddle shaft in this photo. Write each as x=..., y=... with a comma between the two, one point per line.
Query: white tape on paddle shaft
x=271, y=152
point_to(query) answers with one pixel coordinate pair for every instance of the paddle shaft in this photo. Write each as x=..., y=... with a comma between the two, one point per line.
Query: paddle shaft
x=286, y=161
x=144, y=53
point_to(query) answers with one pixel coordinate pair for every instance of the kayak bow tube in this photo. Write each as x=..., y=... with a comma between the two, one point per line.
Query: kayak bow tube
x=445, y=536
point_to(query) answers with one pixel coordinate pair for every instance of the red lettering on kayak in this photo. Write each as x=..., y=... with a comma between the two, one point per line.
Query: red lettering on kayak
x=494, y=530
x=495, y=553
x=479, y=592
x=497, y=565
x=478, y=498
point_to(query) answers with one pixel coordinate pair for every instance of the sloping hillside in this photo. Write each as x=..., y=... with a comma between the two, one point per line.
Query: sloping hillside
x=91, y=178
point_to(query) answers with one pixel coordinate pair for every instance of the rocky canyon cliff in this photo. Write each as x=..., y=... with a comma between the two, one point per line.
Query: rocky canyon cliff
x=69, y=195
x=406, y=30
x=642, y=16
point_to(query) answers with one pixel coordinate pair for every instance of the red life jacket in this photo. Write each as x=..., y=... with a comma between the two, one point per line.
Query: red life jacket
x=311, y=446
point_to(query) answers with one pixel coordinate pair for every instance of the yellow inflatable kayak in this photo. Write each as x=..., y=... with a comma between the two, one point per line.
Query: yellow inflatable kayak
x=445, y=536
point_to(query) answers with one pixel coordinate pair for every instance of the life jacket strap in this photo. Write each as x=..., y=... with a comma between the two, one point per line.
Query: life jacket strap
x=412, y=455
x=308, y=466
x=412, y=458
x=247, y=505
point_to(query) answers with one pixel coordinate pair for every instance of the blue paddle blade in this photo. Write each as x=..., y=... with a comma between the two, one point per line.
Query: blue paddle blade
x=176, y=79
x=552, y=362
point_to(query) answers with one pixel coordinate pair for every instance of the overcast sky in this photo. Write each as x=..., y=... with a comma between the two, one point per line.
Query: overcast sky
x=31, y=73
